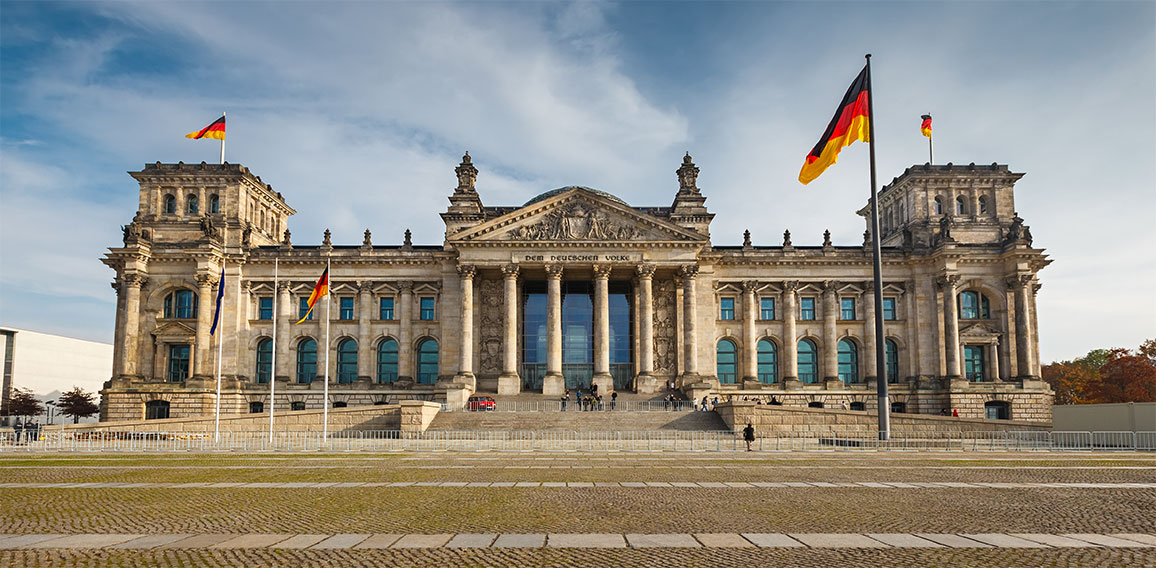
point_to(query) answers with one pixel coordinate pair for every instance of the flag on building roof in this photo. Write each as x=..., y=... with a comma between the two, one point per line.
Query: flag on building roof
x=848, y=125
x=319, y=291
x=216, y=130
x=925, y=128
x=220, y=294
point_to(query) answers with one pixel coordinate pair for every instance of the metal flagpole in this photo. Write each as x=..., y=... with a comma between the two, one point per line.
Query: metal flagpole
x=930, y=152
x=273, y=364
x=217, y=421
x=877, y=265
x=325, y=401
x=223, y=139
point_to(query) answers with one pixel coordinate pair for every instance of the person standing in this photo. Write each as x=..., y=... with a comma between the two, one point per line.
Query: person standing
x=749, y=435
x=613, y=399
x=17, y=430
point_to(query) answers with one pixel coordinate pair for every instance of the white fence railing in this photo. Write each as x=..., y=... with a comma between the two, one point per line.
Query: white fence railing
x=572, y=441
x=572, y=405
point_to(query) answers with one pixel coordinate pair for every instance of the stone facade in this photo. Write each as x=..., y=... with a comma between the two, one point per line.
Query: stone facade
x=502, y=304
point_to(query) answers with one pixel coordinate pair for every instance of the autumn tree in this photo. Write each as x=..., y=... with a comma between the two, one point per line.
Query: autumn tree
x=1074, y=382
x=78, y=404
x=1127, y=377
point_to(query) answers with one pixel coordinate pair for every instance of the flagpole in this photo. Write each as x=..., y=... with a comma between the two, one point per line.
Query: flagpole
x=325, y=401
x=273, y=364
x=877, y=266
x=930, y=152
x=217, y=421
x=223, y=142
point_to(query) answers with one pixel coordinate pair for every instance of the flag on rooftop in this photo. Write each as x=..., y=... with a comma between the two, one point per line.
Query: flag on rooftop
x=925, y=128
x=849, y=124
x=216, y=130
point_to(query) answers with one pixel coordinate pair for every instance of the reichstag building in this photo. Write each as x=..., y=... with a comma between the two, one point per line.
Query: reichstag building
x=575, y=287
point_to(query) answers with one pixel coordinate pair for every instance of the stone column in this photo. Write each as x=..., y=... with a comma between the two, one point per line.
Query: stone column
x=365, y=358
x=131, y=284
x=118, y=331
x=790, y=335
x=202, y=363
x=602, y=376
x=689, y=328
x=947, y=285
x=869, y=339
x=830, y=348
x=750, y=341
x=553, y=383
x=1021, y=283
x=284, y=320
x=466, y=351
x=645, y=382
x=993, y=354
x=509, y=382
x=405, y=367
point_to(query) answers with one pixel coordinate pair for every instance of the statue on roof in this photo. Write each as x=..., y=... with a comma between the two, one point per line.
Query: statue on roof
x=467, y=175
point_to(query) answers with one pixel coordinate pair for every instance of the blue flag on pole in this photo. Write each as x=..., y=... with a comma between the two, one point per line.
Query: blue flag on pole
x=220, y=294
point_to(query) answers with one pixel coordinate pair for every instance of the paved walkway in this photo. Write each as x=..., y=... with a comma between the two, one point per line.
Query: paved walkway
x=620, y=484
x=696, y=540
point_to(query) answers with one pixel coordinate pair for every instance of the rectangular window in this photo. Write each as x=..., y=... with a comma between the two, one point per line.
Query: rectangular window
x=427, y=309
x=973, y=363
x=304, y=309
x=847, y=309
x=889, y=309
x=386, y=309
x=767, y=308
x=806, y=308
x=178, y=363
x=265, y=308
x=346, y=312
x=726, y=308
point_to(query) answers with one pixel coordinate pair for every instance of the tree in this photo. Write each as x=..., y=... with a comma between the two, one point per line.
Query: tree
x=1073, y=382
x=1127, y=377
x=78, y=404
x=24, y=403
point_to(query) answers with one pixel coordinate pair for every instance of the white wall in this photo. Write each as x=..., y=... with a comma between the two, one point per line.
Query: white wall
x=1116, y=417
x=45, y=363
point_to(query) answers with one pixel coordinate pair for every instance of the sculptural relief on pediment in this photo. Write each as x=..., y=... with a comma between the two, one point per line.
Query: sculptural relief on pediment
x=576, y=221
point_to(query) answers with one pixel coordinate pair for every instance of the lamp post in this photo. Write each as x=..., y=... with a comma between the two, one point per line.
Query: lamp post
x=51, y=404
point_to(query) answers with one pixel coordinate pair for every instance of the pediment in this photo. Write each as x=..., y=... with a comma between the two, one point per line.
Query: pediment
x=174, y=329
x=577, y=215
x=979, y=330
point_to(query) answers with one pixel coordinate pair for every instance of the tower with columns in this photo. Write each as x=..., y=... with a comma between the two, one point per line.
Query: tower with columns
x=576, y=289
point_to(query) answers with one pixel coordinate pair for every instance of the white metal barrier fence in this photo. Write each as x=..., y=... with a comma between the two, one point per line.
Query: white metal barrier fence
x=572, y=405
x=573, y=441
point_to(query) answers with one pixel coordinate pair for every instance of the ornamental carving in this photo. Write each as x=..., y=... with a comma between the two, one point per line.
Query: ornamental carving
x=601, y=272
x=466, y=271
x=511, y=270
x=645, y=270
x=491, y=312
x=554, y=271
x=576, y=222
x=665, y=341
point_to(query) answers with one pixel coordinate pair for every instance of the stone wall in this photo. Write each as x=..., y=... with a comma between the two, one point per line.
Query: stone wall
x=381, y=417
x=773, y=419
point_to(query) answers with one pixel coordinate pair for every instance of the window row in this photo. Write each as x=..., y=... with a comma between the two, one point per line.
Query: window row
x=961, y=206
x=807, y=360
x=192, y=204
x=847, y=309
x=426, y=357
x=346, y=308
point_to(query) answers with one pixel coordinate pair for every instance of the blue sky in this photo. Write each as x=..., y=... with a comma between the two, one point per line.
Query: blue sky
x=358, y=112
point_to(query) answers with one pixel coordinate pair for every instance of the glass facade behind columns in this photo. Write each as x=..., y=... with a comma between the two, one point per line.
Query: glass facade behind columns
x=578, y=333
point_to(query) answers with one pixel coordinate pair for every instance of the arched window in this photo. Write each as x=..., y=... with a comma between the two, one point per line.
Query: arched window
x=387, y=361
x=982, y=204
x=848, y=361
x=858, y=406
x=170, y=205
x=297, y=405
x=191, y=204
x=960, y=205
x=214, y=204
x=181, y=304
x=427, y=362
x=264, y=360
x=256, y=407
x=727, y=356
x=306, y=361
x=808, y=363
x=347, y=361
x=768, y=361
x=899, y=407
x=891, y=358
x=997, y=410
x=156, y=409
x=973, y=305
x=939, y=206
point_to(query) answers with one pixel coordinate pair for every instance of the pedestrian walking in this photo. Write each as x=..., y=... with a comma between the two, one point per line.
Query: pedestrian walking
x=565, y=397
x=749, y=435
x=613, y=399
x=704, y=403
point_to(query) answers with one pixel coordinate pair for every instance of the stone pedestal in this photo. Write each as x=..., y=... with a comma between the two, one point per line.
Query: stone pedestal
x=833, y=384
x=456, y=395
x=509, y=384
x=605, y=383
x=553, y=385
x=792, y=384
x=647, y=384
x=752, y=384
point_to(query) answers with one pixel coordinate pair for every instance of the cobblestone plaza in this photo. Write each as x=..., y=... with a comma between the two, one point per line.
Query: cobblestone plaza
x=539, y=509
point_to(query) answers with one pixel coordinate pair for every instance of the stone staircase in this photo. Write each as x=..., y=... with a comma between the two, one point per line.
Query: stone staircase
x=573, y=420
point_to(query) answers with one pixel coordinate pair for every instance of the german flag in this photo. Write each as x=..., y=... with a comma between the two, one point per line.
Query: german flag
x=925, y=128
x=319, y=291
x=216, y=130
x=848, y=125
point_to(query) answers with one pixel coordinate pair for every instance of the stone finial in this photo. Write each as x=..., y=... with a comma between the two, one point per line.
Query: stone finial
x=787, y=238
x=747, y=240
x=326, y=242
x=866, y=239
x=467, y=175
x=687, y=175
x=827, y=239
x=407, y=244
x=285, y=239
x=367, y=241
